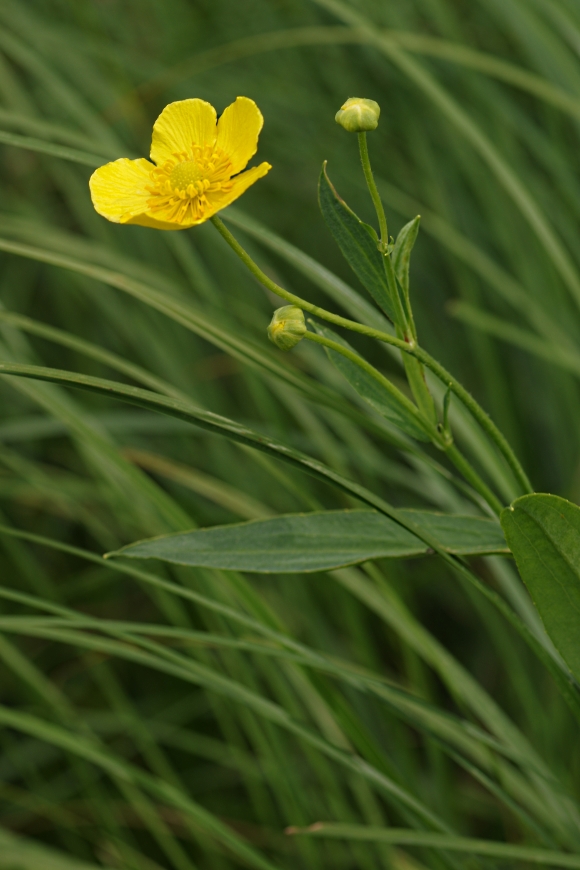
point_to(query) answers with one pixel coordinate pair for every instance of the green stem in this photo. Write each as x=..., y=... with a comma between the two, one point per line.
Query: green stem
x=439, y=439
x=403, y=317
x=472, y=477
x=479, y=414
x=400, y=317
x=409, y=347
x=370, y=179
x=298, y=301
x=399, y=397
x=418, y=384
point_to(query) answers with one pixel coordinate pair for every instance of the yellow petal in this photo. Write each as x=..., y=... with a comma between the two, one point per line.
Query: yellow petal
x=118, y=193
x=241, y=184
x=118, y=189
x=181, y=125
x=147, y=220
x=238, y=130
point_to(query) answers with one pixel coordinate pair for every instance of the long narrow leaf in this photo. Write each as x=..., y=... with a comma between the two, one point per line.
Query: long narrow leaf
x=402, y=837
x=318, y=542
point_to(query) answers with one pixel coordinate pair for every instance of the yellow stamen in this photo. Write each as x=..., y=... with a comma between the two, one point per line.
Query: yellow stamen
x=180, y=187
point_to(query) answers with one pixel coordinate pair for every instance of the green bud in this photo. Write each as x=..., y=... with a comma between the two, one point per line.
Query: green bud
x=358, y=115
x=287, y=327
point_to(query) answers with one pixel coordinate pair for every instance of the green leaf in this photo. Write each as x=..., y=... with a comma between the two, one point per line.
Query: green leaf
x=86, y=748
x=230, y=429
x=370, y=389
x=543, y=532
x=557, y=352
x=50, y=132
x=43, y=147
x=402, y=252
x=390, y=609
x=18, y=853
x=205, y=419
x=357, y=241
x=409, y=837
x=302, y=543
x=238, y=345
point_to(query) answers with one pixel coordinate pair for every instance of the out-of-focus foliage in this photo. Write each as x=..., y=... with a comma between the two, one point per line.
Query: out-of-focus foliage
x=159, y=717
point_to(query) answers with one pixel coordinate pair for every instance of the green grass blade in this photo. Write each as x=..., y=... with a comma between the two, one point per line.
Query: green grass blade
x=487, y=848
x=42, y=147
x=25, y=854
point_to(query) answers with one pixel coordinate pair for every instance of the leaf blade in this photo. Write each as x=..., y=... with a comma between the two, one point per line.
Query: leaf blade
x=402, y=252
x=319, y=541
x=409, y=837
x=25, y=854
x=543, y=532
x=356, y=243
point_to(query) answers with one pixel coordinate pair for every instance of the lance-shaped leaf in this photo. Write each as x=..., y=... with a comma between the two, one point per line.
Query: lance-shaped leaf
x=232, y=430
x=402, y=252
x=357, y=241
x=320, y=541
x=543, y=532
x=386, y=403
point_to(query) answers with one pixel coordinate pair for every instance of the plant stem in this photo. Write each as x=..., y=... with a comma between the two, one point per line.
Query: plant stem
x=479, y=414
x=404, y=322
x=400, y=315
x=399, y=397
x=472, y=477
x=370, y=179
x=455, y=456
x=419, y=388
x=409, y=347
x=302, y=303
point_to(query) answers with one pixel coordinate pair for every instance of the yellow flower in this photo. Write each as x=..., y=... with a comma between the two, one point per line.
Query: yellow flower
x=197, y=171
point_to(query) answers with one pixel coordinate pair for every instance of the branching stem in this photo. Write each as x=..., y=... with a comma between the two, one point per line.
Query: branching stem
x=409, y=407
x=439, y=437
x=410, y=347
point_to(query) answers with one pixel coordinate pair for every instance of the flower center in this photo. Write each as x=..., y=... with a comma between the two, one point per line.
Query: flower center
x=184, y=187
x=186, y=173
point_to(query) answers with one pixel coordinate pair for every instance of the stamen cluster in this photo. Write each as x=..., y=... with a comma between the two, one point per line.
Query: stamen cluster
x=183, y=187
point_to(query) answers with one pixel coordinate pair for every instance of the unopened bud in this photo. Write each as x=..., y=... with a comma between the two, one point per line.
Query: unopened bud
x=287, y=327
x=358, y=115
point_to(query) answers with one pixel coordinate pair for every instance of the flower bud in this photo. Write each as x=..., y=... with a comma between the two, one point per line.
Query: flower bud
x=358, y=115
x=287, y=327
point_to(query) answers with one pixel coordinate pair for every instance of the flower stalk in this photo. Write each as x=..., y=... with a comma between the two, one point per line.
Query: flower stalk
x=403, y=317
x=439, y=435
x=410, y=348
x=424, y=423
x=375, y=196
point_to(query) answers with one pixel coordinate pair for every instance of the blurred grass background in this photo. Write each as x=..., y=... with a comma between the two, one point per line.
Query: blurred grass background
x=148, y=763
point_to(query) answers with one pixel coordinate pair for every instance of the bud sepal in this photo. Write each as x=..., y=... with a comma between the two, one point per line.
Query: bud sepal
x=358, y=115
x=287, y=327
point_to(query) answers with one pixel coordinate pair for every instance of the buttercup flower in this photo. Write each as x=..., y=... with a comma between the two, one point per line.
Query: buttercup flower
x=196, y=170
